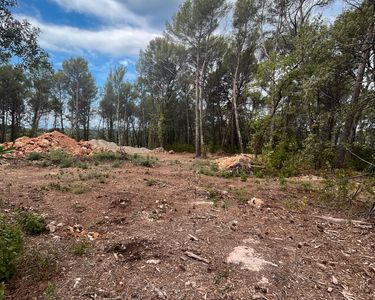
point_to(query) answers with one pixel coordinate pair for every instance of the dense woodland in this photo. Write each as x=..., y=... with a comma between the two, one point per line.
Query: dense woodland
x=258, y=76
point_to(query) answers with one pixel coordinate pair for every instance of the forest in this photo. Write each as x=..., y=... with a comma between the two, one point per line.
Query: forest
x=238, y=162
x=256, y=76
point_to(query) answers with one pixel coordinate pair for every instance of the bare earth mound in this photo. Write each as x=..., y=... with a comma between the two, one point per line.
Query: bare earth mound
x=50, y=141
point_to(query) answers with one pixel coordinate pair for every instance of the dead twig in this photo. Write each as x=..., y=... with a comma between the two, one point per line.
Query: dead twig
x=197, y=257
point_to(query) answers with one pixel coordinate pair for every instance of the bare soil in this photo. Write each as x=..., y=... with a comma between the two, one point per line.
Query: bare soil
x=138, y=224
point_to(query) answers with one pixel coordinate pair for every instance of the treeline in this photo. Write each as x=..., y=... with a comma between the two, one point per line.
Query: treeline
x=279, y=82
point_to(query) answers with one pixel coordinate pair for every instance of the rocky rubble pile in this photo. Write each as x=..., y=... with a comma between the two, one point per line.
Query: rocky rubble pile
x=50, y=141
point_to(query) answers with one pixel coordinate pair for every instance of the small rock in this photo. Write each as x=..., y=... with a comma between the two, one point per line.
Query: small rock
x=153, y=261
x=329, y=290
x=334, y=280
x=78, y=228
x=76, y=282
x=171, y=152
x=234, y=225
x=256, y=203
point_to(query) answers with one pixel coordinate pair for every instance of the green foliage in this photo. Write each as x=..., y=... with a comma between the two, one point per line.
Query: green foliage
x=31, y=223
x=4, y=151
x=362, y=158
x=244, y=176
x=117, y=164
x=342, y=192
x=34, y=156
x=40, y=263
x=78, y=189
x=60, y=158
x=147, y=161
x=11, y=242
x=241, y=195
x=107, y=156
x=296, y=204
x=49, y=293
x=82, y=165
x=80, y=248
x=282, y=161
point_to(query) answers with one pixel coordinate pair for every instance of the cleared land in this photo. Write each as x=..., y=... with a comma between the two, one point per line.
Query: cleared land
x=126, y=231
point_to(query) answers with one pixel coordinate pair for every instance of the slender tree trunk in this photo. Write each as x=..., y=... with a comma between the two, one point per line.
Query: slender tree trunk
x=77, y=113
x=61, y=113
x=187, y=122
x=3, y=123
x=198, y=142
x=234, y=100
x=118, y=119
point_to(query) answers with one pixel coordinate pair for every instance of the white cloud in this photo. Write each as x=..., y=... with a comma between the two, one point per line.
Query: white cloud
x=125, y=41
x=108, y=10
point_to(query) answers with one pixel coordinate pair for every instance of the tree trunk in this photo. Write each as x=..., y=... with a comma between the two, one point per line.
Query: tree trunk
x=118, y=119
x=198, y=145
x=234, y=100
x=76, y=117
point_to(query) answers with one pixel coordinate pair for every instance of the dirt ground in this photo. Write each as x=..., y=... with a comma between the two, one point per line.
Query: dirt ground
x=170, y=233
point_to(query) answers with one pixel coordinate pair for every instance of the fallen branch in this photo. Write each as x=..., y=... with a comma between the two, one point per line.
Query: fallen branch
x=197, y=257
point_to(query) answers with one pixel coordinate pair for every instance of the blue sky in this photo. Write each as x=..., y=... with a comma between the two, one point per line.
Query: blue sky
x=106, y=32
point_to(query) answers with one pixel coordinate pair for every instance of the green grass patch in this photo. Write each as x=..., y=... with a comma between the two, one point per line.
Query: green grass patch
x=143, y=161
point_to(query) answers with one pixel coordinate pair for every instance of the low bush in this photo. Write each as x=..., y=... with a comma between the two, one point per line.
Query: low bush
x=80, y=248
x=32, y=223
x=40, y=263
x=4, y=151
x=107, y=156
x=34, y=156
x=147, y=161
x=60, y=158
x=78, y=189
x=11, y=242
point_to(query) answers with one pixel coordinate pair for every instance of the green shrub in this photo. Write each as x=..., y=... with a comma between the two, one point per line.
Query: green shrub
x=44, y=164
x=243, y=176
x=66, y=163
x=32, y=223
x=148, y=161
x=60, y=158
x=4, y=151
x=10, y=247
x=213, y=195
x=82, y=165
x=34, y=156
x=107, y=156
x=79, y=189
x=282, y=161
x=241, y=195
x=80, y=248
x=40, y=263
x=117, y=164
